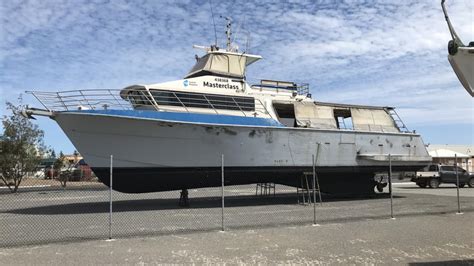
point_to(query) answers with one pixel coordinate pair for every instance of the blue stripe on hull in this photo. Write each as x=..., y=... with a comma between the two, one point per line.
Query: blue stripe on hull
x=188, y=117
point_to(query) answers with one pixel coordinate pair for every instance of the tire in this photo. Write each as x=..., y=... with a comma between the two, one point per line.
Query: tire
x=461, y=185
x=422, y=185
x=470, y=183
x=379, y=187
x=452, y=47
x=434, y=183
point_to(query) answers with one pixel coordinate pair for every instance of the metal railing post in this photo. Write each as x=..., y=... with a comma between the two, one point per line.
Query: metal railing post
x=314, y=190
x=61, y=100
x=85, y=99
x=390, y=184
x=238, y=106
x=317, y=179
x=210, y=104
x=117, y=100
x=110, y=196
x=457, y=182
x=222, y=191
x=179, y=100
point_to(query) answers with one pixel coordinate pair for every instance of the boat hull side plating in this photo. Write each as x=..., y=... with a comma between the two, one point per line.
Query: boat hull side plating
x=463, y=66
x=155, y=155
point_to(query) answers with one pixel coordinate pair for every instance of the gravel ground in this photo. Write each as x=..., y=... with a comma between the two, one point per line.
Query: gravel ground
x=68, y=226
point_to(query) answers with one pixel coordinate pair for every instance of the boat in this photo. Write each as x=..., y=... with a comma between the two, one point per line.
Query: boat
x=460, y=56
x=173, y=135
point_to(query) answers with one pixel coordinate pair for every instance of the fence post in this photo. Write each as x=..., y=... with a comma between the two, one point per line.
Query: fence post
x=314, y=191
x=390, y=184
x=110, y=196
x=222, y=191
x=457, y=181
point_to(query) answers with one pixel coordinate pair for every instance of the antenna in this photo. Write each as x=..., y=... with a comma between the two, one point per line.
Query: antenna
x=247, y=43
x=228, y=32
x=214, y=23
x=239, y=28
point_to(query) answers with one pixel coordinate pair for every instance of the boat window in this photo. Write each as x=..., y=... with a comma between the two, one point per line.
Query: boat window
x=285, y=113
x=138, y=98
x=165, y=98
x=343, y=118
x=201, y=100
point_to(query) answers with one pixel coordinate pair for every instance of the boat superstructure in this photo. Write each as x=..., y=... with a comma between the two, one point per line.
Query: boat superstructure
x=171, y=135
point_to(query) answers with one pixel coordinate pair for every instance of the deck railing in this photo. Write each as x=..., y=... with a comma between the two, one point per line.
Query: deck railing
x=81, y=99
x=100, y=99
x=299, y=89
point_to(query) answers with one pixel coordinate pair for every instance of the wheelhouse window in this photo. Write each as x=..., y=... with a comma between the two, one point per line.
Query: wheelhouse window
x=201, y=100
x=343, y=118
x=286, y=114
x=138, y=98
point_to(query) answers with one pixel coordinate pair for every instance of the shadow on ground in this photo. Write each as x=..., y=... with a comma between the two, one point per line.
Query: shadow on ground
x=172, y=203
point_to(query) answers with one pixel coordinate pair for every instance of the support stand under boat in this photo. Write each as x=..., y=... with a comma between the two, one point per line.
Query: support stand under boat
x=184, y=198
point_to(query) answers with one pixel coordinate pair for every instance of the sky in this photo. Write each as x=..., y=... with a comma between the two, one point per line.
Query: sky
x=389, y=53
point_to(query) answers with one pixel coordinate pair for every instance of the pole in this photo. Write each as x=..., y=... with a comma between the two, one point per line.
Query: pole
x=317, y=179
x=390, y=184
x=110, y=196
x=222, y=190
x=314, y=192
x=457, y=181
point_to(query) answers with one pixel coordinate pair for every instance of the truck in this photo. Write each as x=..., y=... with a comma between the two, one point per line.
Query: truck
x=435, y=174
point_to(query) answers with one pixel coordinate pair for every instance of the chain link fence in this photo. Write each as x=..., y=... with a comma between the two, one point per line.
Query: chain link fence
x=43, y=211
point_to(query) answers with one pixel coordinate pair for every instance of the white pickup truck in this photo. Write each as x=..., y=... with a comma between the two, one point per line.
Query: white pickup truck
x=433, y=175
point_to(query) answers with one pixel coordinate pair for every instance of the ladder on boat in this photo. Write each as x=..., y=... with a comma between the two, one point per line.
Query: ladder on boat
x=398, y=121
x=305, y=191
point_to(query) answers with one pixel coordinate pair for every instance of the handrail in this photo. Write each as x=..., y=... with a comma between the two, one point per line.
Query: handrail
x=149, y=99
x=210, y=104
x=179, y=101
x=239, y=107
x=300, y=89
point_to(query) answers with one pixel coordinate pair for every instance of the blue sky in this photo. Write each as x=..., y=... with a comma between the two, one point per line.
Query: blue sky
x=390, y=53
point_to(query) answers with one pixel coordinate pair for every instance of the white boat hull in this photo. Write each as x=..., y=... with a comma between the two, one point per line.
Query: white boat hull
x=155, y=155
x=463, y=65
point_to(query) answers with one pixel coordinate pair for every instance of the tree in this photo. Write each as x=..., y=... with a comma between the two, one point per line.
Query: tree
x=20, y=147
x=63, y=176
x=52, y=154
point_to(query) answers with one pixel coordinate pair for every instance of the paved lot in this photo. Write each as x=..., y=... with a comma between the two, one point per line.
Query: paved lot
x=259, y=229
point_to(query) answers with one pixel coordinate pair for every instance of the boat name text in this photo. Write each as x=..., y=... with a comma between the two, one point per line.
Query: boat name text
x=220, y=86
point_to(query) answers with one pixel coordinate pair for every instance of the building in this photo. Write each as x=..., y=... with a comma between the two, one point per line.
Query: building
x=446, y=153
x=73, y=158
